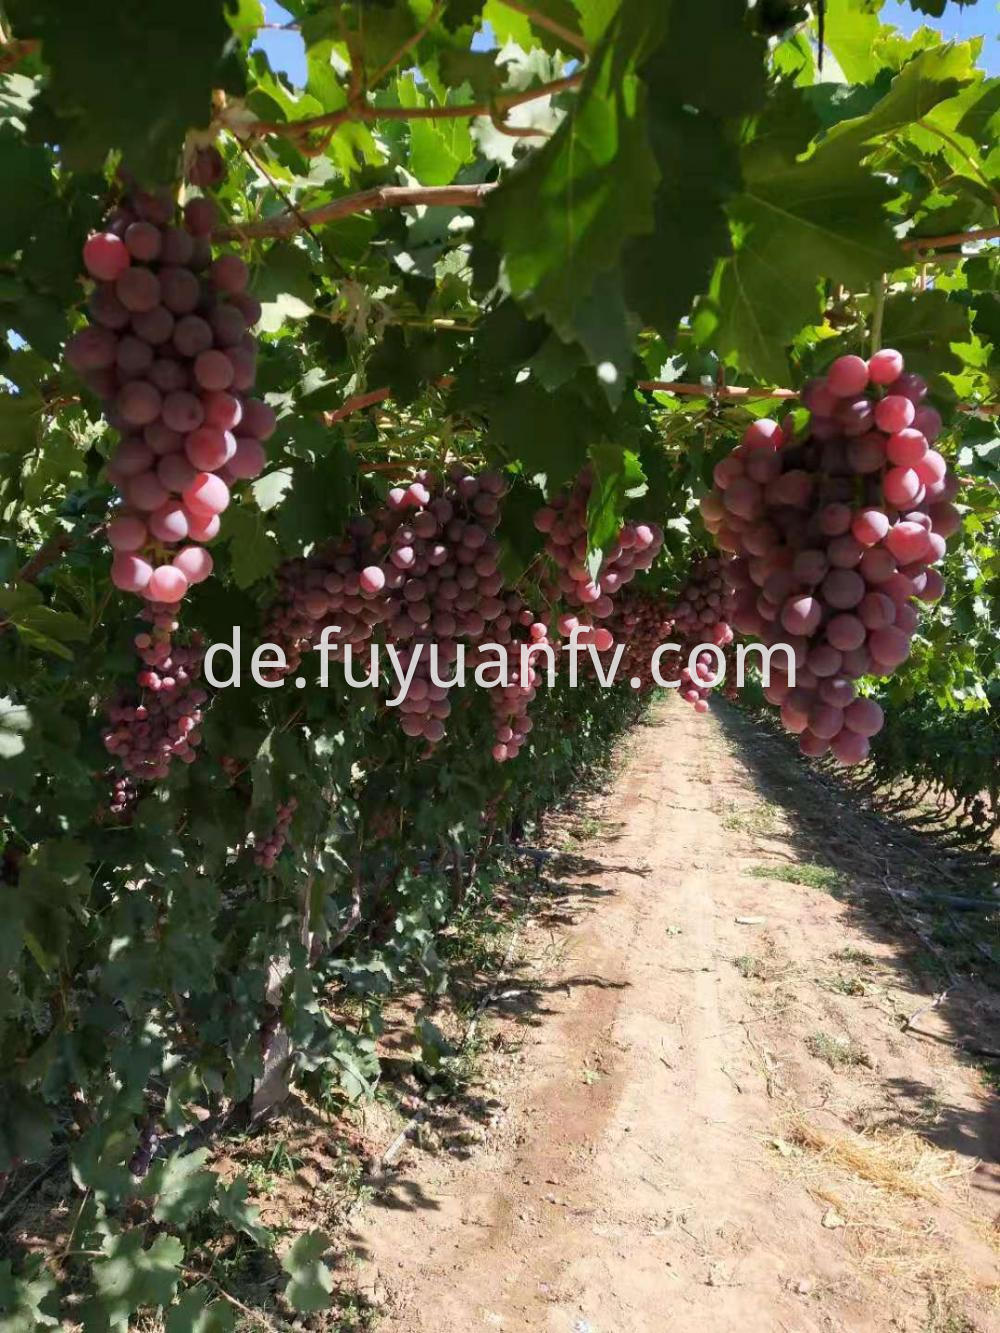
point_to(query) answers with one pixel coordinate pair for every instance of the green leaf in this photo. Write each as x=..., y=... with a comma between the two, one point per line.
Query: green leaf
x=981, y=120
x=28, y=173
x=29, y=1302
x=700, y=172
x=26, y=1127
x=196, y=1313
x=311, y=1284
x=561, y=219
x=231, y=1205
x=922, y=325
x=133, y=77
x=179, y=1185
x=130, y=1277
x=548, y=432
x=850, y=33
x=437, y=150
x=20, y=421
x=930, y=78
x=253, y=551
x=39, y=625
x=617, y=477
x=799, y=221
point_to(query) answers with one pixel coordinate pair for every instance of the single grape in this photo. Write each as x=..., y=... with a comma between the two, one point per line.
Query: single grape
x=106, y=256
x=885, y=366
x=847, y=375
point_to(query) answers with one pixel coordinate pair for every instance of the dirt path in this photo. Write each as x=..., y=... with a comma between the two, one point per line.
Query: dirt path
x=707, y=1122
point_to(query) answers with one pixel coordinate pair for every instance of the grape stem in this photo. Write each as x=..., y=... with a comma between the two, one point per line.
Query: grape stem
x=878, y=311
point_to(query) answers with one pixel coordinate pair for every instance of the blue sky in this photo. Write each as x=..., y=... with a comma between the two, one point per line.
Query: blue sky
x=285, y=52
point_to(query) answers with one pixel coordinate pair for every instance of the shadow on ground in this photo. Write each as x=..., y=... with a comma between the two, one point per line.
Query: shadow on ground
x=898, y=890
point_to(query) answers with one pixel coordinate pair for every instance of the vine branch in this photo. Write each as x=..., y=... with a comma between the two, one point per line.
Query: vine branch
x=367, y=111
x=365, y=201
x=955, y=238
x=572, y=39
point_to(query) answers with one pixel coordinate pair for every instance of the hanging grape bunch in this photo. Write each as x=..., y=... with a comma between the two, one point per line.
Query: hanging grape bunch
x=170, y=353
x=564, y=524
x=836, y=538
x=705, y=603
x=640, y=622
x=701, y=614
x=514, y=629
x=424, y=566
x=340, y=588
x=267, y=850
x=166, y=724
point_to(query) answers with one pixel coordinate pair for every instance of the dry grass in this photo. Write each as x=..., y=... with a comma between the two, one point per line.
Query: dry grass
x=902, y=1206
x=899, y=1162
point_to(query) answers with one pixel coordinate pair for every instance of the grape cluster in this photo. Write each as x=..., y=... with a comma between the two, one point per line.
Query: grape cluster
x=124, y=794
x=149, y=1141
x=706, y=601
x=564, y=524
x=443, y=580
x=165, y=725
x=339, y=588
x=641, y=622
x=170, y=353
x=425, y=566
x=701, y=614
x=513, y=630
x=836, y=537
x=267, y=850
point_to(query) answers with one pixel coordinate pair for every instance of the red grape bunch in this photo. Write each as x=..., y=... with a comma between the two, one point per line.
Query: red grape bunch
x=701, y=614
x=166, y=724
x=339, y=588
x=170, y=353
x=640, y=622
x=442, y=581
x=705, y=602
x=564, y=523
x=836, y=537
x=424, y=566
x=267, y=850
x=514, y=629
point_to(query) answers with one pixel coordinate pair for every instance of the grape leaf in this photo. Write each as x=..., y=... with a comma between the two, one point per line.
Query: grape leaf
x=981, y=120
x=822, y=216
x=850, y=34
x=698, y=165
x=231, y=1205
x=179, y=1185
x=196, y=1313
x=436, y=150
x=617, y=477
x=921, y=325
x=253, y=551
x=25, y=1301
x=133, y=77
x=130, y=1277
x=561, y=218
x=932, y=77
x=27, y=171
x=26, y=1126
x=311, y=1284
x=548, y=432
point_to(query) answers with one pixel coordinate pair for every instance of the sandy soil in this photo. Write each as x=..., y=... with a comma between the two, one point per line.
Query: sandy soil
x=703, y=1107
